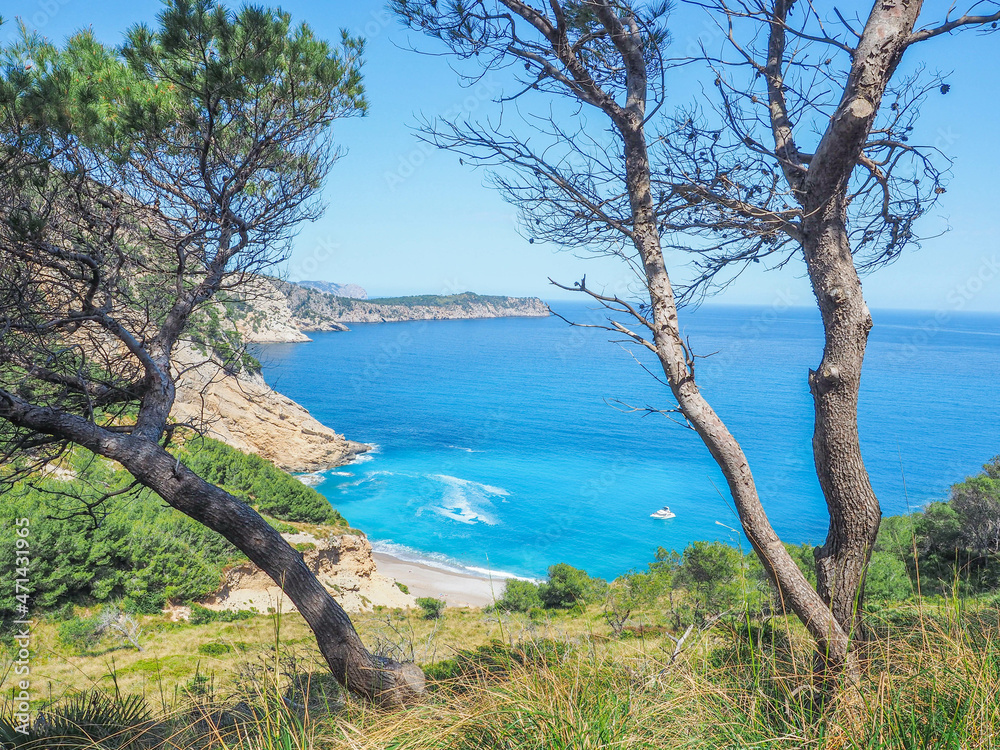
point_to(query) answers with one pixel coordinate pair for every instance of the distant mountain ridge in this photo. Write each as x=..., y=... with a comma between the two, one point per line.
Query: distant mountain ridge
x=281, y=311
x=337, y=290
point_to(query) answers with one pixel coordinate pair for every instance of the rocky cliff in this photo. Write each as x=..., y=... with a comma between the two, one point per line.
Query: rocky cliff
x=275, y=311
x=344, y=564
x=262, y=315
x=241, y=410
x=338, y=290
x=314, y=310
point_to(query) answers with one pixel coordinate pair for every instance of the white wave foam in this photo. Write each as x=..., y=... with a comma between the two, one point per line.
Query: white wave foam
x=439, y=561
x=370, y=476
x=340, y=473
x=456, y=481
x=460, y=448
x=466, y=501
x=311, y=479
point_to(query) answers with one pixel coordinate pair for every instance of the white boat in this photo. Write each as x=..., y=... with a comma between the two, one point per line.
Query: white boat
x=663, y=512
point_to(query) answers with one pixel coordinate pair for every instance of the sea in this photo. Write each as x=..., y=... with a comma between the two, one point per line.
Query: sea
x=504, y=446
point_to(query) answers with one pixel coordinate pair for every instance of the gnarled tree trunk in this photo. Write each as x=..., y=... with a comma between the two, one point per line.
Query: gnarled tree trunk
x=833, y=642
x=381, y=680
x=854, y=509
x=354, y=667
x=823, y=193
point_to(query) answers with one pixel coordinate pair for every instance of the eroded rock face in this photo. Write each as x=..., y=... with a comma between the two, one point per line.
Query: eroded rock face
x=247, y=414
x=343, y=564
x=267, y=318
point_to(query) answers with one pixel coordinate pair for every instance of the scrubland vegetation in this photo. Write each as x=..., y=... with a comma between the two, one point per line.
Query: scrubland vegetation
x=214, y=125
x=693, y=651
x=131, y=549
x=931, y=679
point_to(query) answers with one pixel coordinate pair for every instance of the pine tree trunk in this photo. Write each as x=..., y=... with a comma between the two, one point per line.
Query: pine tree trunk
x=354, y=667
x=854, y=510
x=797, y=593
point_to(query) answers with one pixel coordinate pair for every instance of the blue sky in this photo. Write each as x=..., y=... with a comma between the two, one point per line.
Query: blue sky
x=403, y=219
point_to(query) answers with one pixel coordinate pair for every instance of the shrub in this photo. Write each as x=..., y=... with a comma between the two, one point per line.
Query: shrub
x=79, y=634
x=432, y=608
x=203, y=615
x=715, y=574
x=258, y=482
x=215, y=648
x=960, y=540
x=887, y=579
x=403, y=587
x=519, y=596
x=628, y=593
x=568, y=586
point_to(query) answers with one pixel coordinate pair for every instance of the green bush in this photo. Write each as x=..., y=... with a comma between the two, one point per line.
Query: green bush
x=78, y=633
x=949, y=543
x=718, y=576
x=432, y=608
x=215, y=648
x=203, y=615
x=887, y=579
x=628, y=593
x=568, y=586
x=257, y=482
x=519, y=596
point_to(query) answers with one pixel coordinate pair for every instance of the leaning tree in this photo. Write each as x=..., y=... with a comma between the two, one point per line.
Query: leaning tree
x=137, y=185
x=587, y=149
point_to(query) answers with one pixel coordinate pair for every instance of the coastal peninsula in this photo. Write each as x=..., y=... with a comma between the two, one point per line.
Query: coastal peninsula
x=273, y=311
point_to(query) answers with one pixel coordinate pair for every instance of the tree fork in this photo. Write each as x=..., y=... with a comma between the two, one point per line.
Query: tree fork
x=833, y=641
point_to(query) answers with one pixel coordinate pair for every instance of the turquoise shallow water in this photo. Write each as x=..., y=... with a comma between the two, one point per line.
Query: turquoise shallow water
x=501, y=445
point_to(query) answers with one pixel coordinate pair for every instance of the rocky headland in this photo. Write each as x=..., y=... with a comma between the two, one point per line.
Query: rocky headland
x=275, y=311
x=241, y=410
x=263, y=316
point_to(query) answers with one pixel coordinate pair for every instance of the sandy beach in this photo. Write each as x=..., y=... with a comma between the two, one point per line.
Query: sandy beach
x=457, y=589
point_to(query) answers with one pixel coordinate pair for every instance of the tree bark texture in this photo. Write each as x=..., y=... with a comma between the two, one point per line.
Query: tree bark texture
x=853, y=507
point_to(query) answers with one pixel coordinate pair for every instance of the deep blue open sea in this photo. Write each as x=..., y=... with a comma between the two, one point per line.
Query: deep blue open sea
x=501, y=444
